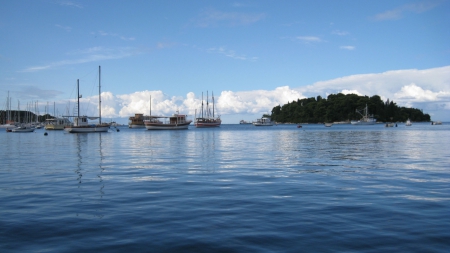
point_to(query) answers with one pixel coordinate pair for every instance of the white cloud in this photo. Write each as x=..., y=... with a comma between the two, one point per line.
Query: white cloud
x=398, y=12
x=339, y=32
x=89, y=55
x=70, y=4
x=213, y=17
x=103, y=33
x=231, y=54
x=347, y=47
x=66, y=28
x=424, y=89
x=308, y=39
x=416, y=93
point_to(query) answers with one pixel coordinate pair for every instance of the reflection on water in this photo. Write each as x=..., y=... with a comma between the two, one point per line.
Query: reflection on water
x=263, y=189
x=89, y=169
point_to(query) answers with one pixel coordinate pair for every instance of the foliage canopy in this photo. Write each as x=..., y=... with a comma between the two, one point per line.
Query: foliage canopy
x=340, y=107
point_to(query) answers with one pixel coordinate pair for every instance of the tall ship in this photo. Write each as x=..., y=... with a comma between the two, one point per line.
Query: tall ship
x=205, y=117
x=366, y=118
x=80, y=123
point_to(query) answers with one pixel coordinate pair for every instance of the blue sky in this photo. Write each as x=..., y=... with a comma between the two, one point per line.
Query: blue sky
x=253, y=55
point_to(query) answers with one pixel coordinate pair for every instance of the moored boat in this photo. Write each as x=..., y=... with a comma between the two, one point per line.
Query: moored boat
x=408, y=123
x=174, y=122
x=56, y=123
x=243, y=122
x=137, y=121
x=8, y=122
x=81, y=124
x=366, y=118
x=264, y=121
x=23, y=129
x=207, y=118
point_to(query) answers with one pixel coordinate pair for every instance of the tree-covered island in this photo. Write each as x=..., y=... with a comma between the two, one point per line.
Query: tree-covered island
x=343, y=108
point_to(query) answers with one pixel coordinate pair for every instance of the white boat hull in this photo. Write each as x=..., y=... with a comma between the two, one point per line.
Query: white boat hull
x=90, y=129
x=362, y=122
x=262, y=124
x=136, y=126
x=23, y=130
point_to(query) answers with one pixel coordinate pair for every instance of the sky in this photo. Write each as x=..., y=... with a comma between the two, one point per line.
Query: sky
x=252, y=55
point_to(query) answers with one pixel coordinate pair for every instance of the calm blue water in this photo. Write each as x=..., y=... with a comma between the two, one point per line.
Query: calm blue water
x=237, y=188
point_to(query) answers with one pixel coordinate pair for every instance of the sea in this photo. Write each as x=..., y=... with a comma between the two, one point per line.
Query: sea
x=235, y=188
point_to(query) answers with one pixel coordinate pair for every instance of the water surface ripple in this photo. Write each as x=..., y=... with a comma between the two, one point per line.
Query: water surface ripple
x=236, y=188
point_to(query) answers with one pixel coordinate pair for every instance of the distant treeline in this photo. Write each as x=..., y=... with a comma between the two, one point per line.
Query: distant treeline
x=340, y=107
x=22, y=116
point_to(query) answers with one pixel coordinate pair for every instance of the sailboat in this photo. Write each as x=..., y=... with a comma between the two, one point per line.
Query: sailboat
x=207, y=119
x=80, y=123
x=408, y=122
x=8, y=122
x=25, y=126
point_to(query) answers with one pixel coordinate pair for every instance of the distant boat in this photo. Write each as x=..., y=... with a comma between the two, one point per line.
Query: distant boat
x=23, y=129
x=243, y=122
x=299, y=126
x=366, y=118
x=436, y=122
x=8, y=122
x=207, y=118
x=328, y=124
x=80, y=124
x=408, y=123
x=174, y=122
x=390, y=125
x=264, y=121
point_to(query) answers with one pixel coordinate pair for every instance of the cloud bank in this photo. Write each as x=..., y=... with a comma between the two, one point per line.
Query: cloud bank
x=423, y=89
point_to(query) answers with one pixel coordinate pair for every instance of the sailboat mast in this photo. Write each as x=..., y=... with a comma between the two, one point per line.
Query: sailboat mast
x=202, y=104
x=207, y=106
x=213, y=101
x=99, y=97
x=78, y=97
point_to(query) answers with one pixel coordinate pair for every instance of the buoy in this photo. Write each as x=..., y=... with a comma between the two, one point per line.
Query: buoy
x=45, y=133
x=118, y=130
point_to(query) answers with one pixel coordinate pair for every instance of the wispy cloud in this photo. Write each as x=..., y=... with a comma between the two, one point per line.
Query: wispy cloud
x=231, y=53
x=339, y=32
x=398, y=12
x=70, y=4
x=309, y=39
x=347, y=47
x=213, y=17
x=103, y=33
x=66, y=28
x=88, y=55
